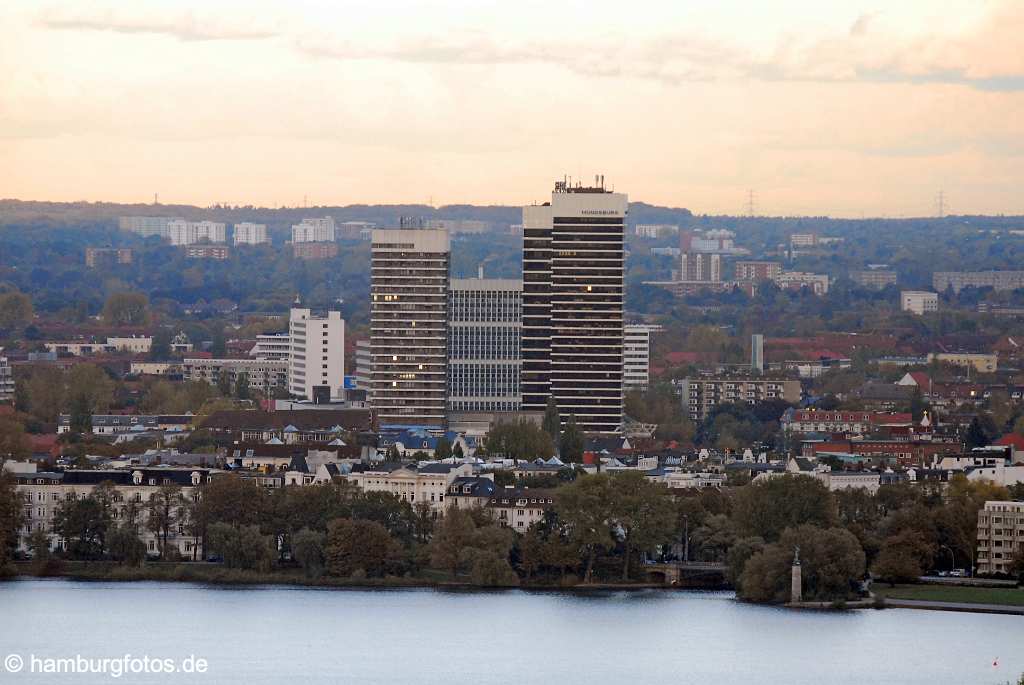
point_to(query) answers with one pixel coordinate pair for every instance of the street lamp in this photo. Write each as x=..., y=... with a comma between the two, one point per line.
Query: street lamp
x=686, y=538
x=952, y=556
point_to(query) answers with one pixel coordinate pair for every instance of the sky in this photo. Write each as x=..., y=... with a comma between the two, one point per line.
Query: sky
x=846, y=108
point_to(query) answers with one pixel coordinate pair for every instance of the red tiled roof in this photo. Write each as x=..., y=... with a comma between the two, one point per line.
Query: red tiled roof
x=1011, y=439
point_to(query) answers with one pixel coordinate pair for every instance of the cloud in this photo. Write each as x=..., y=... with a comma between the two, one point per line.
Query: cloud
x=984, y=58
x=185, y=26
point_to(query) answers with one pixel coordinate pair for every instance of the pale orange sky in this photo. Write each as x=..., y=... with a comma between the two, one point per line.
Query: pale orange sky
x=842, y=108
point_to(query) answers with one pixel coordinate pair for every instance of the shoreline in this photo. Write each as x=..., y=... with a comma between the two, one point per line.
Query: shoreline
x=220, y=576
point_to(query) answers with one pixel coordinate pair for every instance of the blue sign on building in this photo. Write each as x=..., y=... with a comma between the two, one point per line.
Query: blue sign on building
x=350, y=383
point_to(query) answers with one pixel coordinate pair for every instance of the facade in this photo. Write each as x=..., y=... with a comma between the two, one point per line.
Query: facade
x=130, y=344
x=250, y=234
x=757, y=271
x=982, y=363
x=317, y=353
x=958, y=280
x=272, y=346
x=410, y=484
x=456, y=226
x=484, y=326
x=113, y=424
x=132, y=489
x=873, y=278
x=655, y=230
x=703, y=267
x=314, y=231
x=6, y=379
x=1000, y=536
x=356, y=230
x=855, y=422
x=146, y=226
x=817, y=283
x=263, y=374
x=519, y=508
x=798, y=240
x=573, y=305
x=919, y=301
x=701, y=395
x=181, y=232
x=106, y=257
x=364, y=366
x=757, y=352
x=314, y=250
x=636, y=362
x=220, y=252
x=408, y=325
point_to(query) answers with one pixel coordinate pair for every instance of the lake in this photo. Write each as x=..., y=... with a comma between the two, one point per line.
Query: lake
x=275, y=634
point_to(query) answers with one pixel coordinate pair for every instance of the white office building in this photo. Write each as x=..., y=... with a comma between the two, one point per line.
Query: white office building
x=636, y=364
x=272, y=346
x=250, y=234
x=317, y=357
x=484, y=326
x=314, y=231
x=263, y=375
x=181, y=232
x=408, y=325
x=919, y=301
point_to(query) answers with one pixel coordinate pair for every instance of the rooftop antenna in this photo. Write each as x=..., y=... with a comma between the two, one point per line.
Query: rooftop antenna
x=940, y=202
x=750, y=202
x=156, y=198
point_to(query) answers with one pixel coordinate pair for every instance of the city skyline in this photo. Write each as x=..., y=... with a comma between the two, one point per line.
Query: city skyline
x=863, y=109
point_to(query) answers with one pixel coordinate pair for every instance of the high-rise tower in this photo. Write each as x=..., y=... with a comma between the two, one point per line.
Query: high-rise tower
x=408, y=326
x=572, y=338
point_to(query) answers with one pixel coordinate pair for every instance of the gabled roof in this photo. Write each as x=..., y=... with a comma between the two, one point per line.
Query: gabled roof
x=301, y=419
x=1014, y=440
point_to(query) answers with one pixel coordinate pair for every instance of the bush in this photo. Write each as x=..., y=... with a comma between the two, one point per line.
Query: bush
x=244, y=547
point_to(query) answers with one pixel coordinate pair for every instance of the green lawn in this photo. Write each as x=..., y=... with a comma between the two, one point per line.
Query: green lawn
x=952, y=593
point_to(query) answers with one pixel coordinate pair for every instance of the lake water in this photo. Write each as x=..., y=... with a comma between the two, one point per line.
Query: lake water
x=275, y=635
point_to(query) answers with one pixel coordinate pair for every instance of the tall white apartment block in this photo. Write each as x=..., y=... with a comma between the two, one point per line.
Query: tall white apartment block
x=314, y=231
x=572, y=341
x=757, y=352
x=250, y=234
x=181, y=232
x=6, y=379
x=484, y=324
x=317, y=353
x=146, y=226
x=636, y=362
x=919, y=301
x=408, y=325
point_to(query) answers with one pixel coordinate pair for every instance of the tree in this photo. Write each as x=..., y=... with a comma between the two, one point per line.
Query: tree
x=12, y=517
x=520, y=440
x=831, y=561
x=81, y=416
x=583, y=507
x=443, y=448
x=219, y=344
x=126, y=309
x=14, y=444
x=458, y=452
x=767, y=508
x=571, y=444
x=976, y=435
x=242, y=386
x=452, y=535
x=161, y=347
x=90, y=388
x=84, y=523
x=15, y=309
x=244, y=547
x=903, y=558
x=308, y=551
x=125, y=546
x=224, y=386
x=363, y=546
x=164, y=510
x=45, y=393
x=644, y=512
x=552, y=423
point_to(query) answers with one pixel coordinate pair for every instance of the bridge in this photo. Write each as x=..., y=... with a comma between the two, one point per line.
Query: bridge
x=686, y=574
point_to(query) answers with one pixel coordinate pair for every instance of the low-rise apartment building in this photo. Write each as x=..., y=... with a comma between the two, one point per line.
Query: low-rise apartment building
x=44, y=492
x=113, y=424
x=1000, y=536
x=919, y=302
x=519, y=508
x=701, y=395
x=6, y=379
x=130, y=344
x=263, y=374
x=428, y=483
x=982, y=363
x=874, y=278
x=958, y=280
